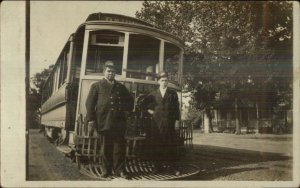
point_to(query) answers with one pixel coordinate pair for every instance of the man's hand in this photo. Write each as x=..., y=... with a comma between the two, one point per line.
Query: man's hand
x=91, y=128
x=177, y=124
x=150, y=111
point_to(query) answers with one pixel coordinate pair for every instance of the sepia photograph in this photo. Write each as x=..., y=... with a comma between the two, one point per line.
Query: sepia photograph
x=150, y=93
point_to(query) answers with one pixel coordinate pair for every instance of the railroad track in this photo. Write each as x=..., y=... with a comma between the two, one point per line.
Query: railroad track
x=144, y=170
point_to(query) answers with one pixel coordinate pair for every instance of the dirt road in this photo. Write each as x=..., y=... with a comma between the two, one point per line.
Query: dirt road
x=47, y=163
x=218, y=156
x=242, y=157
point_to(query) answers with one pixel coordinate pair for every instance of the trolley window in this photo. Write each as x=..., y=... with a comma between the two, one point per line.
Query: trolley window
x=58, y=74
x=104, y=45
x=143, y=56
x=63, y=65
x=172, y=60
x=77, y=54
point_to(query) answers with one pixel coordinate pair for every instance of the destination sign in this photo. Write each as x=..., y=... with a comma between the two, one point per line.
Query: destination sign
x=115, y=18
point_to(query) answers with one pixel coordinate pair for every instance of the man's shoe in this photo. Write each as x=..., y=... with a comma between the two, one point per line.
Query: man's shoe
x=105, y=176
x=124, y=175
x=177, y=173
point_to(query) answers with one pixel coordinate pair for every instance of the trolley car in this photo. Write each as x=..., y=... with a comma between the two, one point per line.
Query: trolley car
x=139, y=51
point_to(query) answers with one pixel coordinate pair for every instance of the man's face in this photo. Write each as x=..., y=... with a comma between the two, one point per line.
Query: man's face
x=163, y=82
x=109, y=73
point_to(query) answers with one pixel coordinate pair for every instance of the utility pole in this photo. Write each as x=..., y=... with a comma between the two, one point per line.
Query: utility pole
x=27, y=79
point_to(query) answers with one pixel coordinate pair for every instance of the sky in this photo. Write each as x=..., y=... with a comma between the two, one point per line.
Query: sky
x=52, y=22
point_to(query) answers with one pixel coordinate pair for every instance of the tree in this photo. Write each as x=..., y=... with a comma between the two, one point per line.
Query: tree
x=33, y=113
x=226, y=43
x=35, y=97
x=39, y=78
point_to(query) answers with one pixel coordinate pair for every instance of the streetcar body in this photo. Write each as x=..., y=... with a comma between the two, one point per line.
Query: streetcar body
x=138, y=50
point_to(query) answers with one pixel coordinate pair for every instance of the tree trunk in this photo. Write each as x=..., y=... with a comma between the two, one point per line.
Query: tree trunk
x=237, y=121
x=203, y=120
x=257, y=119
x=228, y=119
x=248, y=118
x=285, y=117
x=205, y=123
x=208, y=121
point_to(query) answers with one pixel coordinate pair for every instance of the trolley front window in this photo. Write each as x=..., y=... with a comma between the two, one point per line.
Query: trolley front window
x=104, y=45
x=143, y=57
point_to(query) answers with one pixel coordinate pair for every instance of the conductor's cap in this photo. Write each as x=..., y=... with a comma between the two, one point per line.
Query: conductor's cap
x=109, y=64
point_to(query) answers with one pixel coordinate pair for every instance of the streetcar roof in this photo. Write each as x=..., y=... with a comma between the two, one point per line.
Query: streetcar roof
x=116, y=18
x=121, y=20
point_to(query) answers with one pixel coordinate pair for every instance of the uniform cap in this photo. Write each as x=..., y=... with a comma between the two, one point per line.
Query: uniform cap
x=109, y=64
x=162, y=74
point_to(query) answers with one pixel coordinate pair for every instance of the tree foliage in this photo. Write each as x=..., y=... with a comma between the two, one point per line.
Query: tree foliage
x=39, y=78
x=224, y=31
x=234, y=51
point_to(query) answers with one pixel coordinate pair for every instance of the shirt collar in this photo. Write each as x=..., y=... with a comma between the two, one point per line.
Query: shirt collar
x=163, y=89
x=109, y=81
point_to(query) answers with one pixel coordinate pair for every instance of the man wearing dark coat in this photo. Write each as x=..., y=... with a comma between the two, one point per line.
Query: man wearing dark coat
x=164, y=107
x=107, y=104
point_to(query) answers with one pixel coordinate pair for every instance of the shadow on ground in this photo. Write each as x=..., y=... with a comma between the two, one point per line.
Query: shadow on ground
x=216, y=162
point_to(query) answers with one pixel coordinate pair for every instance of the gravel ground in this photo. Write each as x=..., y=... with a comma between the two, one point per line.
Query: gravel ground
x=219, y=156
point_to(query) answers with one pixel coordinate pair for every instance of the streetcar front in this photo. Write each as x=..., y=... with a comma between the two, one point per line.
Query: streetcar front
x=138, y=50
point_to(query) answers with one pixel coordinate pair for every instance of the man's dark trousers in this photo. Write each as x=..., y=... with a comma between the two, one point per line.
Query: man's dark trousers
x=113, y=152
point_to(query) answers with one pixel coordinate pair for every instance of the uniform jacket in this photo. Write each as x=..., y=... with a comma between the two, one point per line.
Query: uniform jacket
x=107, y=104
x=166, y=109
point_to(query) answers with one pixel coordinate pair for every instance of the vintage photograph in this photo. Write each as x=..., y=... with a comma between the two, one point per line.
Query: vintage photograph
x=166, y=91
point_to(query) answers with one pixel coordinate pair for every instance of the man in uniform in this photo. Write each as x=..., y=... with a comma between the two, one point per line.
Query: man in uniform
x=107, y=105
x=164, y=107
